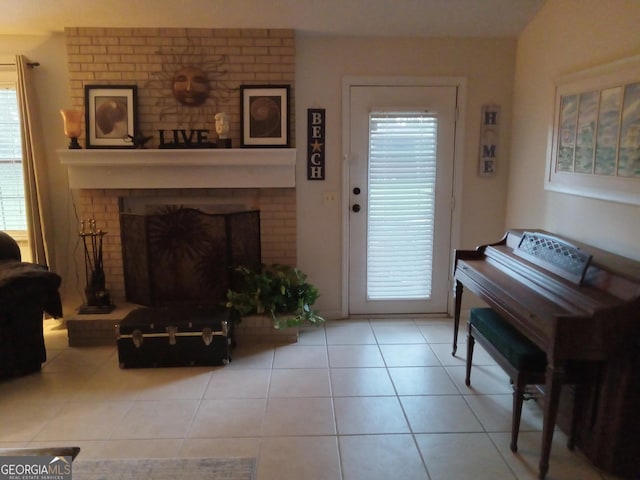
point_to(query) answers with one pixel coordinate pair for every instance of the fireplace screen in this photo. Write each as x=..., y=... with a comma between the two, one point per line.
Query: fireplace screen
x=183, y=256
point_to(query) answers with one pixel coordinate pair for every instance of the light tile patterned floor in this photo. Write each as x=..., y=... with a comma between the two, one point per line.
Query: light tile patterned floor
x=355, y=400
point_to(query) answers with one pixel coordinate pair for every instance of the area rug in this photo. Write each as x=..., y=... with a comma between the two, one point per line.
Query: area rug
x=164, y=469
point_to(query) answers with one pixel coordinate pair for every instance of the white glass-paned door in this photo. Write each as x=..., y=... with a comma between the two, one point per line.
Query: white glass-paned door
x=400, y=157
x=402, y=181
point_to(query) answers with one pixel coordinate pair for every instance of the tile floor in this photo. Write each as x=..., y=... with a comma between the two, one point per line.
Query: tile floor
x=353, y=400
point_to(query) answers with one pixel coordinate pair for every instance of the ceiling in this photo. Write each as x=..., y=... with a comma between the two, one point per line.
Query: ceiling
x=397, y=18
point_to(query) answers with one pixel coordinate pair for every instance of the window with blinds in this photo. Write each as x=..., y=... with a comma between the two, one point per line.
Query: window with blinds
x=12, y=206
x=401, y=190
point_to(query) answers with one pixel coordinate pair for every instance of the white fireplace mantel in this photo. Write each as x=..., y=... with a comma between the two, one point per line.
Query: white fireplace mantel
x=180, y=168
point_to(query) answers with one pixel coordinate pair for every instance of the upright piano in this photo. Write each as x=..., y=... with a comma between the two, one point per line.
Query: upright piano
x=581, y=305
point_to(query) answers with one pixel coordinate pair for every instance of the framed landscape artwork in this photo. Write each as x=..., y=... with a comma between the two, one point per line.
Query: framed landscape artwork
x=595, y=149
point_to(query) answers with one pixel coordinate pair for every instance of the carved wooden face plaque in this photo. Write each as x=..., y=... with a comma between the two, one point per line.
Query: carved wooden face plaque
x=190, y=86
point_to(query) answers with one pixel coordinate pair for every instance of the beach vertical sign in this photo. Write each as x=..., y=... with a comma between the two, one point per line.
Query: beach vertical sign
x=316, y=143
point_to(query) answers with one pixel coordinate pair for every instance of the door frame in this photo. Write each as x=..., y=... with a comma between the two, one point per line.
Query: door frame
x=458, y=163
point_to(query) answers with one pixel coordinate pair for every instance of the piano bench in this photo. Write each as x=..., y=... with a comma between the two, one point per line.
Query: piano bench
x=523, y=361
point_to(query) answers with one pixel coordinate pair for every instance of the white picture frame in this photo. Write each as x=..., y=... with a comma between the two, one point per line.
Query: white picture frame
x=596, y=125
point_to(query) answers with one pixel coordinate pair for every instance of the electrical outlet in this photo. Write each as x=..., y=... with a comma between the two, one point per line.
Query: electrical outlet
x=330, y=198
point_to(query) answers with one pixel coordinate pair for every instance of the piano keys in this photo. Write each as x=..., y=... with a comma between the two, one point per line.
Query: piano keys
x=581, y=306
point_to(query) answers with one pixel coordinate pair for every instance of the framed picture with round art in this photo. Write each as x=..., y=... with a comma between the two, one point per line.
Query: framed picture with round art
x=110, y=115
x=264, y=115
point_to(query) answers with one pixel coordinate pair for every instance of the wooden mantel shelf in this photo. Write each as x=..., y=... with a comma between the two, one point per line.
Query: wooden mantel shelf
x=180, y=168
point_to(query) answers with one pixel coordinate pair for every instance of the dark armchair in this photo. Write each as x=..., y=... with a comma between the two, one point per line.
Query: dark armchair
x=27, y=291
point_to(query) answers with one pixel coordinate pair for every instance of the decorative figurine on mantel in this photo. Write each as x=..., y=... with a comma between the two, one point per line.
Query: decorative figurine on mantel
x=222, y=129
x=98, y=298
x=138, y=140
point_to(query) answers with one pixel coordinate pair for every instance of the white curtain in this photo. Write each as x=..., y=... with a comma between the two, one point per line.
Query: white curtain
x=34, y=165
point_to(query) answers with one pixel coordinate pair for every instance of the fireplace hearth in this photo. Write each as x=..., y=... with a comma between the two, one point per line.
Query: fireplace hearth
x=108, y=183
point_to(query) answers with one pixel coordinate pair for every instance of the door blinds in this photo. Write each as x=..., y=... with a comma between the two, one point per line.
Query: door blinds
x=401, y=190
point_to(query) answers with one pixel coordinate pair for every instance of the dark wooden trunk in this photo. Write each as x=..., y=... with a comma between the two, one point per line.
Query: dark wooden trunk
x=175, y=337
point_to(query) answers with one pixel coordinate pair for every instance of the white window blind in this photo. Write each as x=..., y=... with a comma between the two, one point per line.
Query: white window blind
x=12, y=207
x=402, y=182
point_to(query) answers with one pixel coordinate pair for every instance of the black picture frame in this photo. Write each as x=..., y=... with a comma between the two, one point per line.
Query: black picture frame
x=110, y=115
x=264, y=116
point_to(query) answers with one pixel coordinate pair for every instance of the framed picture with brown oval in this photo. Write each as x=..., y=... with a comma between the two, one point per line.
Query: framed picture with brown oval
x=264, y=113
x=110, y=115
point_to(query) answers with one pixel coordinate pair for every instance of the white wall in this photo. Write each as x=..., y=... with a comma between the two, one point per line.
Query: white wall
x=321, y=64
x=567, y=36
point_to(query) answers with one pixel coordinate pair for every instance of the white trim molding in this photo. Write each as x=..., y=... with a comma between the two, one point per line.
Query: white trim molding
x=180, y=168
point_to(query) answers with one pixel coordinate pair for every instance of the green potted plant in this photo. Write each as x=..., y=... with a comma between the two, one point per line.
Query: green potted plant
x=280, y=291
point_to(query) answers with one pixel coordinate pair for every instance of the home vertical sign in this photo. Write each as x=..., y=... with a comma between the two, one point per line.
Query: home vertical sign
x=315, y=143
x=489, y=140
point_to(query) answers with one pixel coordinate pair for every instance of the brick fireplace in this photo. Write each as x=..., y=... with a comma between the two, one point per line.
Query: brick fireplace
x=103, y=181
x=254, y=179
x=258, y=179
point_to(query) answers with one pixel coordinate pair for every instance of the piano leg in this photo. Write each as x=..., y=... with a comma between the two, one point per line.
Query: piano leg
x=470, y=344
x=456, y=316
x=555, y=375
